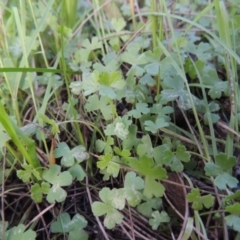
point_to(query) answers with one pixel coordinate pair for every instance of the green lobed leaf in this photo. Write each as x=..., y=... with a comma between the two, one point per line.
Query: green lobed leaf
x=57, y=179
x=152, y=68
x=94, y=44
x=225, y=179
x=182, y=153
x=99, y=208
x=131, y=140
x=77, y=172
x=226, y=163
x=19, y=233
x=112, y=218
x=147, y=207
x=56, y=193
x=132, y=184
x=145, y=166
x=235, y=208
x=141, y=109
x=77, y=234
x=154, y=127
x=105, y=146
x=152, y=188
x=64, y=224
x=217, y=89
x=233, y=221
x=69, y=156
x=118, y=24
x=104, y=161
x=37, y=191
x=158, y=218
x=95, y=103
x=212, y=169
x=145, y=148
x=220, y=169
x=200, y=201
x=112, y=199
x=28, y=174
x=119, y=127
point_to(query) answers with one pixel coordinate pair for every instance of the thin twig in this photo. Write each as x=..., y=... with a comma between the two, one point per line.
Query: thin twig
x=44, y=223
x=131, y=222
x=89, y=17
x=186, y=211
x=131, y=39
x=139, y=234
x=125, y=231
x=191, y=130
x=97, y=218
x=40, y=215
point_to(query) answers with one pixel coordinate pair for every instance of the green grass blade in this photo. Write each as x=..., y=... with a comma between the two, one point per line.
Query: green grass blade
x=25, y=145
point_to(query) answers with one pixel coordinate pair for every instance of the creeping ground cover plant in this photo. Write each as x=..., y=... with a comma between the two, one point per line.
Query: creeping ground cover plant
x=119, y=119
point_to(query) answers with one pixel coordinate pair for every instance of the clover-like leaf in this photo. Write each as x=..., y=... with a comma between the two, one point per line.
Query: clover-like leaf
x=131, y=140
x=162, y=112
x=182, y=153
x=226, y=163
x=19, y=233
x=153, y=188
x=213, y=116
x=132, y=184
x=220, y=169
x=64, y=223
x=77, y=234
x=107, y=162
x=125, y=154
x=118, y=24
x=106, y=175
x=77, y=172
x=94, y=44
x=145, y=148
x=112, y=200
x=234, y=208
x=158, y=218
x=37, y=191
x=110, y=63
x=145, y=166
x=104, y=146
x=154, y=127
x=28, y=173
x=119, y=127
x=110, y=83
x=211, y=169
x=68, y=155
x=147, y=80
x=147, y=207
x=133, y=57
x=141, y=108
x=74, y=227
x=199, y=201
x=117, y=199
x=173, y=160
x=217, y=89
x=233, y=221
x=225, y=179
x=64, y=151
x=88, y=85
x=113, y=79
x=103, y=104
x=57, y=179
x=152, y=68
